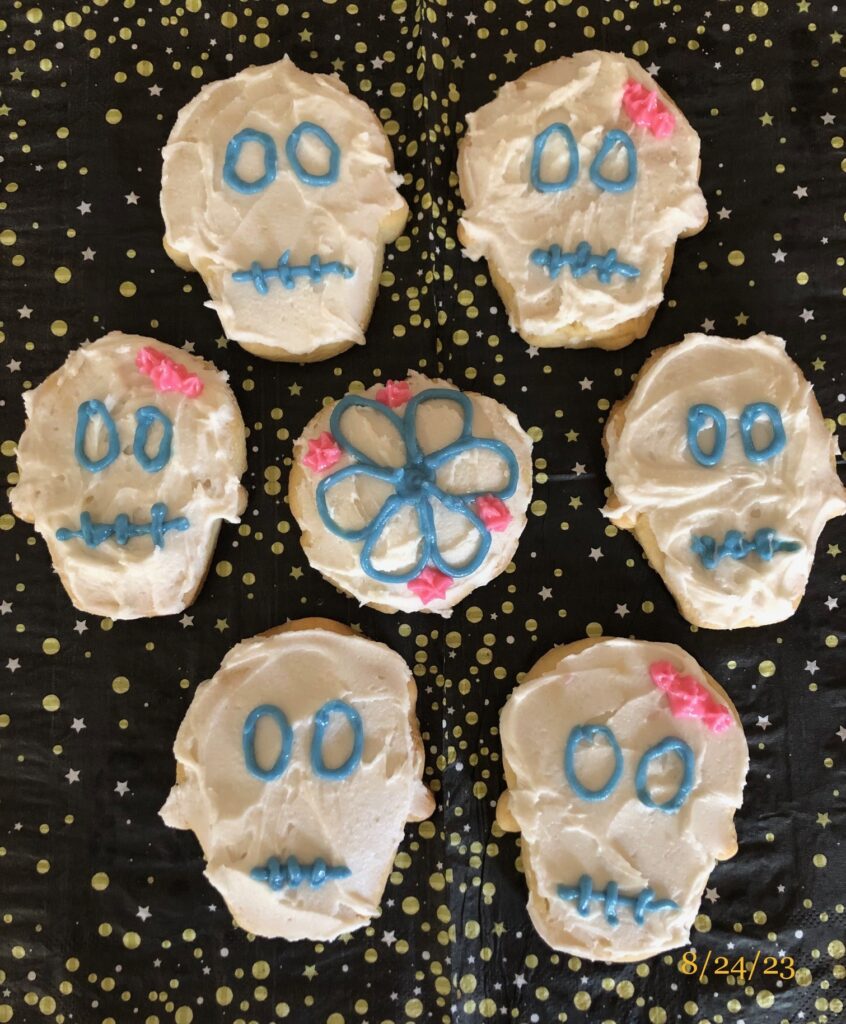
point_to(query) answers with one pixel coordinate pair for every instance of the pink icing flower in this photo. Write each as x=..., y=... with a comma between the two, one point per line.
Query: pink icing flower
x=493, y=512
x=430, y=585
x=166, y=374
x=644, y=108
x=323, y=452
x=394, y=393
x=688, y=698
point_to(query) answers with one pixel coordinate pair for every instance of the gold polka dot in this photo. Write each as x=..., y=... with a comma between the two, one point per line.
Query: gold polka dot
x=487, y=1008
x=51, y=702
x=640, y=48
x=414, y=1008
x=802, y=277
x=127, y=289
x=224, y=995
x=582, y=1000
x=410, y=905
x=62, y=275
x=759, y=9
x=820, y=860
x=223, y=569
x=51, y=645
x=100, y=881
x=7, y=521
x=120, y=684
x=837, y=949
x=59, y=328
x=8, y=237
x=42, y=867
x=132, y=940
x=538, y=507
x=736, y=258
x=757, y=84
x=144, y=68
x=183, y=1015
x=765, y=998
x=261, y=970
x=767, y=669
x=657, y=1015
x=114, y=116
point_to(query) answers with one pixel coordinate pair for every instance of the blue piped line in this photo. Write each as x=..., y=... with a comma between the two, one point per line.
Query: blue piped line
x=582, y=261
x=292, y=874
x=288, y=273
x=765, y=543
x=610, y=898
x=123, y=530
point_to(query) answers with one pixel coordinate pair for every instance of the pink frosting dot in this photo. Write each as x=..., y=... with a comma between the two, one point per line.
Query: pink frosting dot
x=394, y=393
x=688, y=698
x=430, y=585
x=323, y=452
x=493, y=512
x=645, y=108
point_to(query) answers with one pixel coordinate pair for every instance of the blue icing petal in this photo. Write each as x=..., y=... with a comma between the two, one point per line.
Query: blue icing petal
x=94, y=534
x=317, y=180
x=315, y=270
x=414, y=484
x=582, y=261
x=233, y=151
x=584, y=894
x=765, y=543
x=292, y=873
x=321, y=721
x=585, y=734
x=612, y=139
x=670, y=745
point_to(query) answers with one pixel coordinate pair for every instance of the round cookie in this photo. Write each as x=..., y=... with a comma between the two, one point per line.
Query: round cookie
x=625, y=763
x=721, y=464
x=577, y=180
x=279, y=188
x=412, y=494
x=298, y=765
x=131, y=457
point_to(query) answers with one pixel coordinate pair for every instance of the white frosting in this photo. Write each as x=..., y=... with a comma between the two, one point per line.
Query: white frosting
x=354, y=503
x=618, y=839
x=218, y=230
x=656, y=480
x=201, y=481
x=241, y=821
x=506, y=218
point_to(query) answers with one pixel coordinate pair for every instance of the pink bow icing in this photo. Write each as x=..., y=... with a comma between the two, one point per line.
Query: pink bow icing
x=493, y=512
x=323, y=452
x=166, y=374
x=431, y=584
x=394, y=393
x=688, y=698
x=644, y=108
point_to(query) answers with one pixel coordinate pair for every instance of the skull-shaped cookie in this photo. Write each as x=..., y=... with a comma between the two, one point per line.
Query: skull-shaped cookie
x=577, y=180
x=278, y=186
x=298, y=765
x=131, y=457
x=722, y=465
x=625, y=763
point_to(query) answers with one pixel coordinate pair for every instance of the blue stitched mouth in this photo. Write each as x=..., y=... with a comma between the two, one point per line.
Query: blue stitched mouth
x=123, y=530
x=291, y=874
x=315, y=270
x=764, y=543
x=584, y=894
x=581, y=261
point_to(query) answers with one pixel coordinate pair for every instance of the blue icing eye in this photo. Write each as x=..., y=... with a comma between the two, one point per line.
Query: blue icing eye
x=145, y=418
x=670, y=745
x=248, y=739
x=86, y=412
x=538, y=147
x=233, y=152
x=321, y=721
x=318, y=180
x=612, y=139
x=585, y=734
x=750, y=414
x=698, y=416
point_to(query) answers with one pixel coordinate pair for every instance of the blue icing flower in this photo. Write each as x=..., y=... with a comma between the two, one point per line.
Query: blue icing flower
x=415, y=484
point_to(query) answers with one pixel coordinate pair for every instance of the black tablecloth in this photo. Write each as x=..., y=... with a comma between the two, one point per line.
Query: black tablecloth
x=104, y=912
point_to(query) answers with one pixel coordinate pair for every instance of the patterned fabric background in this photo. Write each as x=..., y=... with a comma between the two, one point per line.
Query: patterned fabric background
x=104, y=913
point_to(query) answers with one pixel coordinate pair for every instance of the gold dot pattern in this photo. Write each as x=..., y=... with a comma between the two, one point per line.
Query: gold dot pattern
x=106, y=916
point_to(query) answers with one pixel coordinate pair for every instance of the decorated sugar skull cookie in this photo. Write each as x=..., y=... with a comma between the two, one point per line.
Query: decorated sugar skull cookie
x=722, y=465
x=411, y=494
x=298, y=765
x=279, y=188
x=625, y=763
x=131, y=458
x=577, y=180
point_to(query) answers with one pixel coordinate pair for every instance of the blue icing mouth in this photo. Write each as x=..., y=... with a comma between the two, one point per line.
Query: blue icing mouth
x=287, y=272
x=765, y=543
x=581, y=261
x=610, y=898
x=292, y=874
x=94, y=534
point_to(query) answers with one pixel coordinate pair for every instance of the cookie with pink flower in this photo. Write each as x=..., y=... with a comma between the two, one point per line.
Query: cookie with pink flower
x=411, y=494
